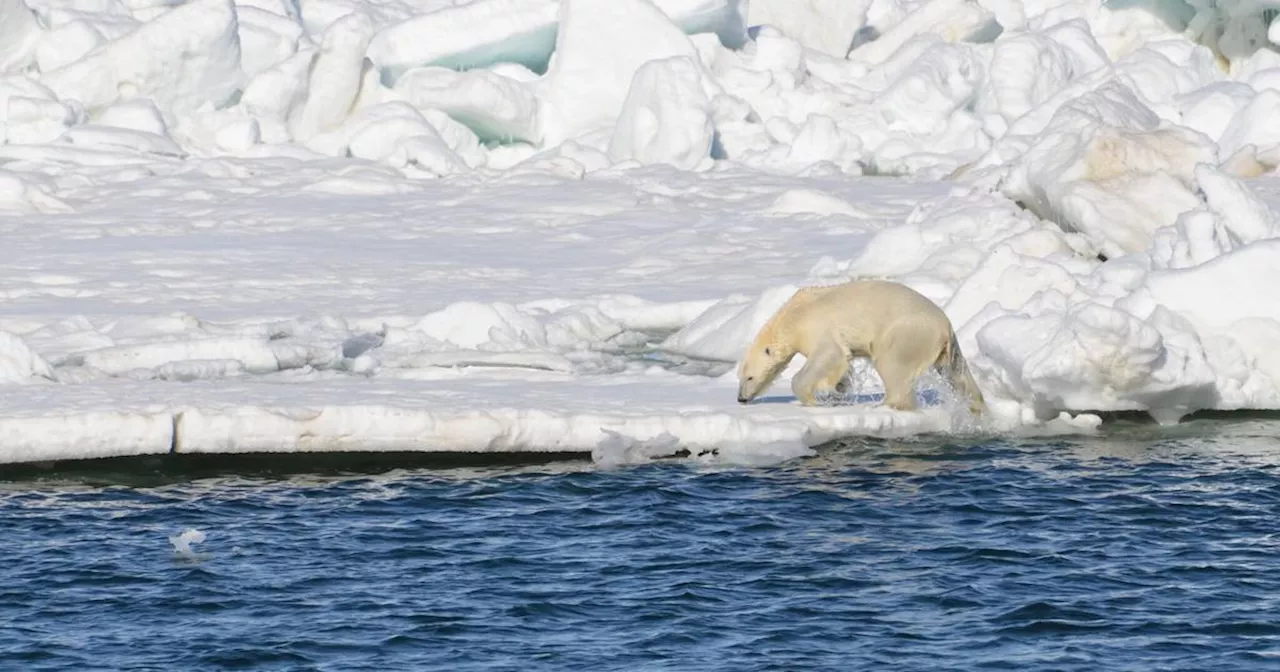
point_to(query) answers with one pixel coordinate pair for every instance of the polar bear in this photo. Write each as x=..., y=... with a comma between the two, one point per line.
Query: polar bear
x=902, y=331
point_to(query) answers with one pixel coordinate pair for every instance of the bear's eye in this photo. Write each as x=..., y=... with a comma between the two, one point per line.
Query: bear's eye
x=768, y=352
x=750, y=378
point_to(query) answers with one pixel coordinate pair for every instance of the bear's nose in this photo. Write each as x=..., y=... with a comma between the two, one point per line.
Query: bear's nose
x=742, y=399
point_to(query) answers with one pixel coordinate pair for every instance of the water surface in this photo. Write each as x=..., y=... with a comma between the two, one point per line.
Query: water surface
x=1143, y=549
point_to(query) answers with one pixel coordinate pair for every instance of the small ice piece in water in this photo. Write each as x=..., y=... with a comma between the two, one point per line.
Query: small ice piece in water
x=615, y=449
x=182, y=543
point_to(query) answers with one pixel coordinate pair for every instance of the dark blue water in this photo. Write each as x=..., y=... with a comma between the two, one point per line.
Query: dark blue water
x=1141, y=550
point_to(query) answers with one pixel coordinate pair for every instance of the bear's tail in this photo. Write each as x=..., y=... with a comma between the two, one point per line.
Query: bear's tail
x=961, y=379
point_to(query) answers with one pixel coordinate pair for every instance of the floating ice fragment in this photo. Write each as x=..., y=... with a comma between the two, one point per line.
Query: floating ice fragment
x=182, y=544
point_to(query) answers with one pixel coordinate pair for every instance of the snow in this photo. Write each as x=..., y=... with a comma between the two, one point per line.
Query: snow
x=554, y=225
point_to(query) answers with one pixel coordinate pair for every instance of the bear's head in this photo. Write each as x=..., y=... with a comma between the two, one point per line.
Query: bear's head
x=763, y=361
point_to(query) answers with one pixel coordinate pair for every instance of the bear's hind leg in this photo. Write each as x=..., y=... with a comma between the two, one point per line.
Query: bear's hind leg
x=953, y=367
x=906, y=354
x=824, y=370
x=899, y=385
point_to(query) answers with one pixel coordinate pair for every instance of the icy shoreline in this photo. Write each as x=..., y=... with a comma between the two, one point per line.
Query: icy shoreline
x=374, y=211
x=618, y=419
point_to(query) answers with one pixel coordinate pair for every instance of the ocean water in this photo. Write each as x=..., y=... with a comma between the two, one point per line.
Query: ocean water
x=1141, y=549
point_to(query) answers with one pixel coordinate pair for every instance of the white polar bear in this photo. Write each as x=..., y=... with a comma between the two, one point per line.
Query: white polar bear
x=902, y=331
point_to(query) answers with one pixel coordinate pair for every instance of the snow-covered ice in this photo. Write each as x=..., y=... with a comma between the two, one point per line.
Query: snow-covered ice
x=553, y=225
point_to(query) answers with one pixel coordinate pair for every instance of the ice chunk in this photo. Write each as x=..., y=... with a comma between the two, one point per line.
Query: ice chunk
x=18, y=364
x=238, y=135
x=600, y=46
x=950, y=240
x=275, y=93
x=1195, y=238
x=1025, y=70
x=1229, y=301
x=953, y=20
x=482, y=33
x=188, y=370
x=543, y=361
x=1243, y=214
x=1215, y=295
x=469, y=35
x=19, y=34
x=37, y=120
x=182, y=543
x=494, y=107
x=67, y=43
x=93, y=135
x=23, y=87
x=334, y=77
x=254, y=355
x=666, y=117
x=394, y=133
x=1210, y=109
x=1091, y=357
x=1106, y=167
x=266, y=38
x=725, y=329
x=812, y=201
x=84, y=434
x=137, y=115
x=184, y=58
x=1160, y=75
x=1009, y=280
x=20, y=195
x=1254, y=124
x=462, y=140
x=925, y=98
x=727, y=19
x=827, y=26
x=821, y=139
x=638, y=314
x=470, y=325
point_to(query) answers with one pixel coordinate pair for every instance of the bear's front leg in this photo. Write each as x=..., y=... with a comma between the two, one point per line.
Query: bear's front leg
x=842, y=387
x=824, y=370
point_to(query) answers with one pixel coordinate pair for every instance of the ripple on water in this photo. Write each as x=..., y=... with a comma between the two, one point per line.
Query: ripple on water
x=1122, y=552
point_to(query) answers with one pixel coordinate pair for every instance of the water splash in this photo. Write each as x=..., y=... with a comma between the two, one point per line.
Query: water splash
x=863, y=386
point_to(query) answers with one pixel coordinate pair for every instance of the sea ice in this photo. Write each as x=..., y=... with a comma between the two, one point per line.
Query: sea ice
x=553, y=225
